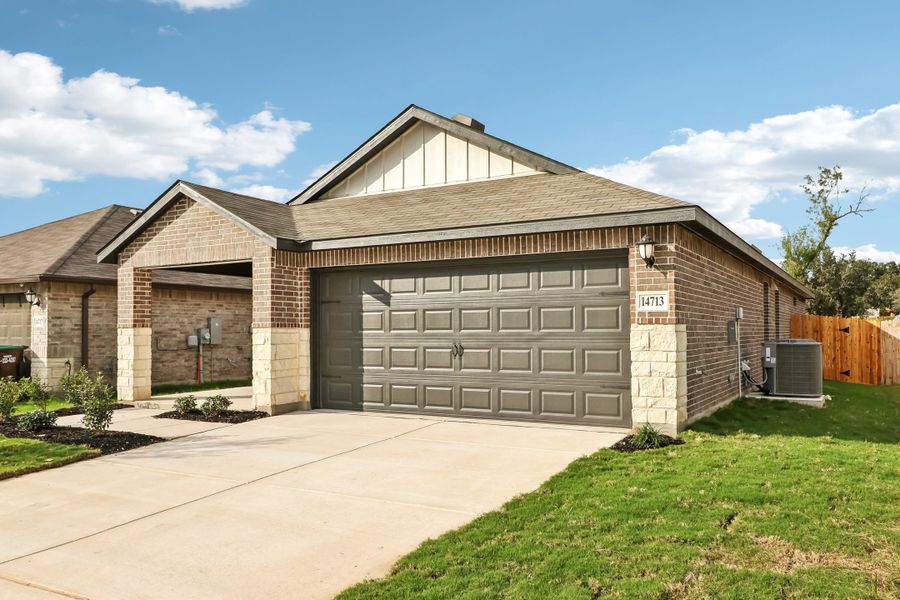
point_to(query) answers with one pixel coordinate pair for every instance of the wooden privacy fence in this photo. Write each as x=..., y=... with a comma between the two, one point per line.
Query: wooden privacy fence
x=855, y=350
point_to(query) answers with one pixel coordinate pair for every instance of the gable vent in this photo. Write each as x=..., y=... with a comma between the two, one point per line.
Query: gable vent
x=468, y=121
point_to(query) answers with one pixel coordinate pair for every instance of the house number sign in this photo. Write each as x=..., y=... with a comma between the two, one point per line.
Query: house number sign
x=653, y=301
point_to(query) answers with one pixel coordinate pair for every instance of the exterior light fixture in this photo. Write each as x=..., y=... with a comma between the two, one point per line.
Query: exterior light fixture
x=32, y=297
x=645, y=247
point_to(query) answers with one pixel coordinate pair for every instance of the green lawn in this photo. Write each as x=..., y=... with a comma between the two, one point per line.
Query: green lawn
x=179, y=388
x=53, y=404
x=20, y=456
x=765, y=500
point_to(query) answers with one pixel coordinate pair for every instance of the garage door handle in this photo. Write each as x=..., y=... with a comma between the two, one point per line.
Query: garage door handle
x=453, y=350
x=459, y=349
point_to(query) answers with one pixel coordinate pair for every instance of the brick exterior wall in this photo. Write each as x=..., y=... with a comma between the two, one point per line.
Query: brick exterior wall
x=710, y=284
x=15, y=318
x=179, y=312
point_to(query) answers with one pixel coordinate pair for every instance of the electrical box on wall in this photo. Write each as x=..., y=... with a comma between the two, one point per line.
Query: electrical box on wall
x=732, y=333
x=192, y=341
x=204, y=336
x=215, y=330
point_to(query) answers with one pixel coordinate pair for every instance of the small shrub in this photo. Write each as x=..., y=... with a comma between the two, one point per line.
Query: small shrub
x=76, y=386
x=98, y=405
x=647, y=436
x=37, y=420
x=185, y=404
x=33, y=390
x=215, y=405
x=9, y=395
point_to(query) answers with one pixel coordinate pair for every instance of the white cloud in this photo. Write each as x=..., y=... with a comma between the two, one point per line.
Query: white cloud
x=52, y=129
x=267, y=192
x=869, y=252
x=168, y=31
x=729, y=173
x=192, y=5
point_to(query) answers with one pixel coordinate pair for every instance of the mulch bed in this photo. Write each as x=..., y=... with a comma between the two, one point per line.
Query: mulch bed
x=107, y=442
x=226, y=416
x=627, y=444
x=65, y=412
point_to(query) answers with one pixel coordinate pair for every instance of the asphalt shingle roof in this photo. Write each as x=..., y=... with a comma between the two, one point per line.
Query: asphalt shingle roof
x=67, y=249
x=491, y=202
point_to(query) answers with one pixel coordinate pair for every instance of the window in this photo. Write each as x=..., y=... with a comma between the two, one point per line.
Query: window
x=765, y=311
x=777, y=314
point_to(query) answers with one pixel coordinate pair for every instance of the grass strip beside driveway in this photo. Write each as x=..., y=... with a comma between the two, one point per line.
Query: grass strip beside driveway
x=765, y=500
x=19, y=456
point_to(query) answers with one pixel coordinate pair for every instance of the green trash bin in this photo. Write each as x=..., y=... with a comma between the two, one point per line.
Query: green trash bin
x=11, y=359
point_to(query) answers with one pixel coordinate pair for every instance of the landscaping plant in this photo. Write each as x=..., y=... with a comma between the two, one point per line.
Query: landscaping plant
x=35, y=391
x=647, y=436
x=185, y=404
x=215, y=405
x=98, y=404
x=37, y=420
x=76, y=386
x=9, y=395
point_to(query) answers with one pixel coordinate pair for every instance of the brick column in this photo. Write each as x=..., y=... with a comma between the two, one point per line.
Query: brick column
x=658, y=347
x=280, y=335
x=135, y=288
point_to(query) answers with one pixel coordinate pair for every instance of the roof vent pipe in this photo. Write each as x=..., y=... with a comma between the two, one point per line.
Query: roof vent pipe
x=468, y=121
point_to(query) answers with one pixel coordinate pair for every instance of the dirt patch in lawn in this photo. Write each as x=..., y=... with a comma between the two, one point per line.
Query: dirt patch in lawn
x=627, y=444
x=75, y=410
x=107, y=442
x=226, y=416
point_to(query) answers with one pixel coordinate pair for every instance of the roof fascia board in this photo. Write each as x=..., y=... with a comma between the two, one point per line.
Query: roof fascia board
x=649, y=217
x=109, y=253
x=401, y=122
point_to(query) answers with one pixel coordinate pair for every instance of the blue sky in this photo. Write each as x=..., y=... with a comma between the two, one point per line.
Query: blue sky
x=723, y=104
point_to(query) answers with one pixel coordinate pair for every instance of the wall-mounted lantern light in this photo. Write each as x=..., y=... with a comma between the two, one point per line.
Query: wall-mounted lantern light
x=32, y=297
x=645, y=247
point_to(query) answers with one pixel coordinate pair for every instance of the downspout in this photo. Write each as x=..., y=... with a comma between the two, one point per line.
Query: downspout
x=85, y=325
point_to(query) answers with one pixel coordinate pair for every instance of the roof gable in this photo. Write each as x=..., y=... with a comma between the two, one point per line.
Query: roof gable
x=422, y=149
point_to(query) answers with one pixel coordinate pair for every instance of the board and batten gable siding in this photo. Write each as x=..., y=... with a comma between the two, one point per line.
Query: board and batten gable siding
x=426, y=156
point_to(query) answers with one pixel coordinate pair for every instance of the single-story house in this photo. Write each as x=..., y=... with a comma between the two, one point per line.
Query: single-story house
x=61, y=303
x=438, y=269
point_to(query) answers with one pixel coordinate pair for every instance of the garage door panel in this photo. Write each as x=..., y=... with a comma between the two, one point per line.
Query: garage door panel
x=600, y=405
x=515, y=402
x=512, y=320
x=557, y=403
x=476, y=358
x=405, y=395
x=515, y=280
x=475, y=319
x=610, y=319
x=438, y=358
x=556, y=318
x=437, y=320
x=541, y=340
x=515, y=361
x=475, y=398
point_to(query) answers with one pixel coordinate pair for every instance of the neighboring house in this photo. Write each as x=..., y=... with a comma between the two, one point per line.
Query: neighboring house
x=73, y=320
x=438, y=269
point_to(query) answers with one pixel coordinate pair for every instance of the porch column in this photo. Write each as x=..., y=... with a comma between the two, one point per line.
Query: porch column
x=135, y=289
x=280, y=333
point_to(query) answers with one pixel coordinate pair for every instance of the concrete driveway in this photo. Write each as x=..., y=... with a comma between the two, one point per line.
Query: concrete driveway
x=295, y=506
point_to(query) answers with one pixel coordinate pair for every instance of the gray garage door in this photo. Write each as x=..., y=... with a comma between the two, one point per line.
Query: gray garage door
x=543, y=340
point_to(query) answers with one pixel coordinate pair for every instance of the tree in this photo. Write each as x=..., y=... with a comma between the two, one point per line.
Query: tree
x=883, y=292
x=805, y=246
x=839, y=284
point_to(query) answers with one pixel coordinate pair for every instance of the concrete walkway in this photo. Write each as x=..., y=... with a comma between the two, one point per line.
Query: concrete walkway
x=241, y=398
x=295, y=506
